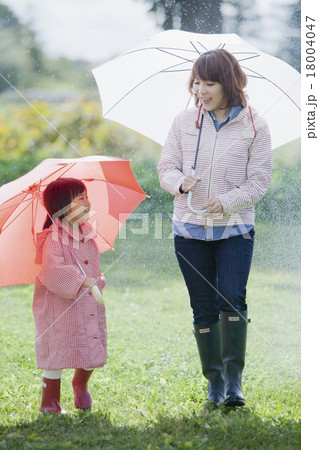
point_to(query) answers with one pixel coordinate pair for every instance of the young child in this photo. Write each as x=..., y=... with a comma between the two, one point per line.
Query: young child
x=70, y=324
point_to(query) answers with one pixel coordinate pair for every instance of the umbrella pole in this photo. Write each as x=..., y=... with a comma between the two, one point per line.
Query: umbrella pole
x=190, y=193
x=94, y=288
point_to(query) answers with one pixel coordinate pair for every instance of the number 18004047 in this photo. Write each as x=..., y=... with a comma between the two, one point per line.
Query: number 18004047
x=310, y=47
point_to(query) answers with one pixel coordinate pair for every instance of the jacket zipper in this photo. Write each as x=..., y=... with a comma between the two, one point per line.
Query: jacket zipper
x=210, y=173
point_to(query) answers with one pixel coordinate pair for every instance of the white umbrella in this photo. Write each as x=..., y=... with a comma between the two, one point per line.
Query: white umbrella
x=145, y=88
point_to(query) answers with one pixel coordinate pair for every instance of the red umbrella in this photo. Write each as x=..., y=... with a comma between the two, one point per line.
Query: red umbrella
x=112, y=190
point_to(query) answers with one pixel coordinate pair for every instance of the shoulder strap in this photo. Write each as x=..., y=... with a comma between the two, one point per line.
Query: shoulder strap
x=252, y=121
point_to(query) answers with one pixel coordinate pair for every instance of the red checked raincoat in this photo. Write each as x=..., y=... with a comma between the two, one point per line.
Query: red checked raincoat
x=70, y=324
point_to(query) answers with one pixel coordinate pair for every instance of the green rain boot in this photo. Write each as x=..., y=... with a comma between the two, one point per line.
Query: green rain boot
x=209, y=349
x=233, y=344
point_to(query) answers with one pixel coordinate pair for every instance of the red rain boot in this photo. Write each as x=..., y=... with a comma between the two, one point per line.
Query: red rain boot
x=51, y=396
x=82, y=396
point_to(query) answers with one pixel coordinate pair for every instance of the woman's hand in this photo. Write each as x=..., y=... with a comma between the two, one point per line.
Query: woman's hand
x=214, y=207
x=88, y=282
x=190, y=182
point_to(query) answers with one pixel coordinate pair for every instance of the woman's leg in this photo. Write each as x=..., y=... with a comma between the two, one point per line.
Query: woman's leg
x=197, y=263
x=234, y=257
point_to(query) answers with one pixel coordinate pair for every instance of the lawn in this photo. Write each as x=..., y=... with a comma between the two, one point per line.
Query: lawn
x=151, y=393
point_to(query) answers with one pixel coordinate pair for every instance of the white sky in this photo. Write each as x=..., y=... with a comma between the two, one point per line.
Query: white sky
x=95, y=29
x=86, y=29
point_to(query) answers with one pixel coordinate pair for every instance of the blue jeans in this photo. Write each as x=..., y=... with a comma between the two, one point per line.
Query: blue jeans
x=216, y=274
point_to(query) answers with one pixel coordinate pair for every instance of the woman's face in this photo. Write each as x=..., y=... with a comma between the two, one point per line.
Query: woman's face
x=210, y=94
x=80, y=208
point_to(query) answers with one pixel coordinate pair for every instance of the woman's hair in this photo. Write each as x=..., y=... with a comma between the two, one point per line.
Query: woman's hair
x=222, y=67
x=59, y=194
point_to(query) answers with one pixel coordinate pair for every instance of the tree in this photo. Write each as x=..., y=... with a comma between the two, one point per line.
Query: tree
x=290, y=50
x=20, y=55
x=242, y=17
x=198, y=16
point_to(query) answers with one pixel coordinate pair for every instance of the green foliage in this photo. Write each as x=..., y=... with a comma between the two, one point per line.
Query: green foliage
x=71, y=130
x=282, y=202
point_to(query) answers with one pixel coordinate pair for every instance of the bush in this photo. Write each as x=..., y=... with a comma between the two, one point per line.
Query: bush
x=282, y=203
x=29, y=135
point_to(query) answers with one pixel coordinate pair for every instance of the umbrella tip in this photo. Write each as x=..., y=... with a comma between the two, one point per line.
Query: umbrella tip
x=148, y=196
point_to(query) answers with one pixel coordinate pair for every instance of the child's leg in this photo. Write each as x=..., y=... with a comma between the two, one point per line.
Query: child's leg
x=52, y=374
x=82, y=396
x=51, y=382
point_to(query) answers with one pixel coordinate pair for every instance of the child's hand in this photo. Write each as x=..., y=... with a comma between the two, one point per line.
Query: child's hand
x=102, y=280
x=88, y=282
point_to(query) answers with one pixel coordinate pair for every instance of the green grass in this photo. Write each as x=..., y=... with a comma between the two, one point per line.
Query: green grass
x=151, y=392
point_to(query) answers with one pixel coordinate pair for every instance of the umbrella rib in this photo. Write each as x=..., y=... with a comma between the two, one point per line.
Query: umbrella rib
x=172, y=71
x=26, y=200
x=7, y=223
x=274, y=84
x=206, y=49
x=195, y=47
x=188, y=102
x=113, y=185
x=11, y=206
x=108, y=243
x=151, y=48
x=69, y=167
x=176, y=56
x=255, y=55
x=256, y=76
x=34, y=214
x=141, y=82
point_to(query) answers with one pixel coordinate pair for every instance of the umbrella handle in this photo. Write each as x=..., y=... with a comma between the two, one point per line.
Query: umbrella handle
x=97, y=294
x=94, y=289
x=189, y=202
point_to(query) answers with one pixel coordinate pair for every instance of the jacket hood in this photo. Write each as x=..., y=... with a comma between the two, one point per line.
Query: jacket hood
x=65, y=230
x=40, y=240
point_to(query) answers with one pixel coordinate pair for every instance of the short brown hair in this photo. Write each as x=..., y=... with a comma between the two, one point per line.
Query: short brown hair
x=58, y=194
x=222, y=67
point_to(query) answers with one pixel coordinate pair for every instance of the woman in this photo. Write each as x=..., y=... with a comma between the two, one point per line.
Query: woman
x=214, y=249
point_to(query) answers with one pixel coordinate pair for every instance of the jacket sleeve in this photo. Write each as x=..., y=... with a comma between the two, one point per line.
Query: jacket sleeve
x=171, y=162
x=64, y=280
x=259, y=173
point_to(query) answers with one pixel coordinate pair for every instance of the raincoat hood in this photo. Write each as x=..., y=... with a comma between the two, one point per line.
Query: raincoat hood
x=66, y=232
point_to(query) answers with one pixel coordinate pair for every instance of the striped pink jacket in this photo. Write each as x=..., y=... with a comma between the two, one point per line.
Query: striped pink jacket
x=235, y=165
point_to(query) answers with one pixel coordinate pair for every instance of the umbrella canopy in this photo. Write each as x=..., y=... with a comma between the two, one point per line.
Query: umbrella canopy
x=112, y=190
x=145, y=88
